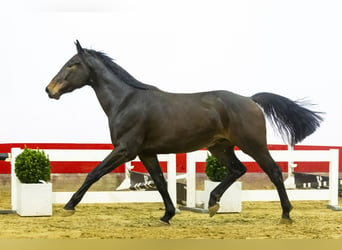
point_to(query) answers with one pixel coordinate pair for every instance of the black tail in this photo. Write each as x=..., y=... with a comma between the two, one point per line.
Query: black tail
x=293, y=121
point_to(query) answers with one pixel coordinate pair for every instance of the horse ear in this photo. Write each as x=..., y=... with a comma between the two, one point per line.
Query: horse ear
x=79, y=48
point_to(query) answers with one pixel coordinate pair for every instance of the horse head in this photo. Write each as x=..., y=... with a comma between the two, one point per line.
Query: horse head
x=73, y=75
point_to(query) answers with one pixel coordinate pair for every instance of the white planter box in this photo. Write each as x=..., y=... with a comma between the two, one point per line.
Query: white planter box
x=231, y=199
x=34, y=199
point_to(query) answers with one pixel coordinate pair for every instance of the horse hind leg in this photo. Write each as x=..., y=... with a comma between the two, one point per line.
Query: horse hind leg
x=225, y=154
x=270, y=167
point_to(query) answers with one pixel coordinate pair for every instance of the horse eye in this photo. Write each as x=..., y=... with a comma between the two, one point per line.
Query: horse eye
x=72, y=66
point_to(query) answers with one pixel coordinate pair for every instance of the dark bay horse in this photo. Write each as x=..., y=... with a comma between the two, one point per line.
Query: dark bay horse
x=145, y=121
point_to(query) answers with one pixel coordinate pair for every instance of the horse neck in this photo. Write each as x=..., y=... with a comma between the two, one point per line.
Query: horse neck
x=110, y=91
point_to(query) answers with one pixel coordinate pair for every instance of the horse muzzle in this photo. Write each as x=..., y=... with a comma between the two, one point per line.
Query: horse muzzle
x=53, y=90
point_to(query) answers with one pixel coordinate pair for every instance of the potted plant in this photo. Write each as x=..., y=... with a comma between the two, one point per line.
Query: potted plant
x=216, y=172
x=214, y=169
x=34, y=197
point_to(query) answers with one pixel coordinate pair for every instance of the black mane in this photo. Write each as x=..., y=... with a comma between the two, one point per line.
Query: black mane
x=120, y=72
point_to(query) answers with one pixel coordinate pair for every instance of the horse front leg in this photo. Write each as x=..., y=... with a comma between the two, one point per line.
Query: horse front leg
x=117, y=157
x=152, y=165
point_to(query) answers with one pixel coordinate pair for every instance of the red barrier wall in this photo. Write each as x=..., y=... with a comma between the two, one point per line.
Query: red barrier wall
x=85, y=167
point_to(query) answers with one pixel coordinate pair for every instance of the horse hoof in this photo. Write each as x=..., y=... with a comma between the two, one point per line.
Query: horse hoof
x=286, y=221
x=213, y=210
x=66, y=213
x=164, y=222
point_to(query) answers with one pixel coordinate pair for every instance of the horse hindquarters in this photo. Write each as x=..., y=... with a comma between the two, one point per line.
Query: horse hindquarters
x=250, y=137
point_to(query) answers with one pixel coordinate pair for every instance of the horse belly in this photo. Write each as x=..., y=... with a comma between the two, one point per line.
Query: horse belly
x=176, y=140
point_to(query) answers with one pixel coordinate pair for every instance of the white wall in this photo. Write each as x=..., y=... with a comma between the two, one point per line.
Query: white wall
x=293, y=48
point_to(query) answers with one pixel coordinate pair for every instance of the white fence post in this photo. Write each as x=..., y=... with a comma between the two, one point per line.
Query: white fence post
x=290, y=180
x=191, y=178
x=333, y=178
x=14, y=180
x=171, y=177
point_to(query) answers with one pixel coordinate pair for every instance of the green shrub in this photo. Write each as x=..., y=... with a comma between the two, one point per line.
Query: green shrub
x=214, y=169
x=32, y=166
